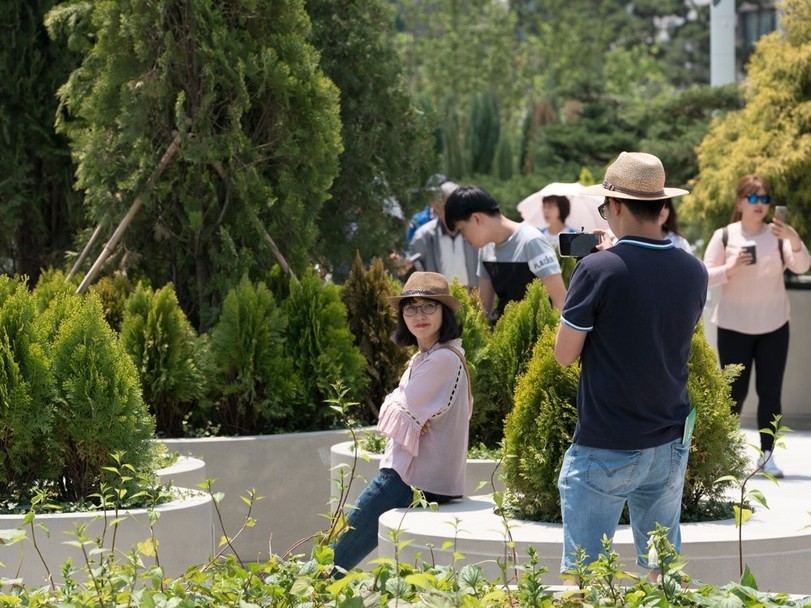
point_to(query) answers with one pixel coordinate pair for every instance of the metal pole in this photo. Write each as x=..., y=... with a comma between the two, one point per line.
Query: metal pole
x=722, y=42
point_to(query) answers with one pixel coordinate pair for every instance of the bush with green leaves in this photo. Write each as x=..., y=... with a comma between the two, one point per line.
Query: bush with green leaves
x=28, y=453
x=504, y=359
x=322, y=349
x=254, y=386
x=113, y=292
x=168, y=354
x=99, y=410
x=51, y=284
x=538, y=431
x=372, y=321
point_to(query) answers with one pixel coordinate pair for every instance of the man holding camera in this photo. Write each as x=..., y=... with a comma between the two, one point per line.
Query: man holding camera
x=629, y=315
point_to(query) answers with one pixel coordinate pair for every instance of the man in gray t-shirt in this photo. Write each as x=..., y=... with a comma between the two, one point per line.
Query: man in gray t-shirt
x=511, y=255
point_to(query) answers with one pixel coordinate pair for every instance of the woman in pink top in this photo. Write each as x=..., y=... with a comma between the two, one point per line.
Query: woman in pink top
x=425, y=418
x=753, y=309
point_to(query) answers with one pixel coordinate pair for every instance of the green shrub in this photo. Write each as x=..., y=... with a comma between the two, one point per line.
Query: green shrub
x=53, y=283
x=99, y=409
x=113, y=292
x=27, y=450
x=504, y=359
x=718, y=447
x=254, y=385
x=168, y=354
x=538, y=431
x=322, y=349
x=372, y=321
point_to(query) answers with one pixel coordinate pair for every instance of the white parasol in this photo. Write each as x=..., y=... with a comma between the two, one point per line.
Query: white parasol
x=583, y=213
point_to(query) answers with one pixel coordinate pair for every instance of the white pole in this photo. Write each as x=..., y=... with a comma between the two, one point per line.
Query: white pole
x=722, y=42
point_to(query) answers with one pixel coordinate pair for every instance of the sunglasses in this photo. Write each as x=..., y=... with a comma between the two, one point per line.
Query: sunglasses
x=601, y=208
x=758, y=198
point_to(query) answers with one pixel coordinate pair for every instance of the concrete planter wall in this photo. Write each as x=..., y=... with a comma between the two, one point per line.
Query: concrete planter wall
x=342, y=456
x=185, y=472
x=289, y=470
x=183, y=530
x=797, y=381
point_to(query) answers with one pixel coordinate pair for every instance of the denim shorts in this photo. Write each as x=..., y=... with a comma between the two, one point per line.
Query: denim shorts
x=595, y=484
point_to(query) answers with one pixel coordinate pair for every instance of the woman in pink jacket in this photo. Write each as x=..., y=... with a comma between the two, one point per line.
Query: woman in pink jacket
x=425, y=418
x=753, y=308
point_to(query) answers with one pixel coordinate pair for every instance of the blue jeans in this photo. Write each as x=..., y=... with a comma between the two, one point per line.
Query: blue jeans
x=595, y=483
x=385, y=492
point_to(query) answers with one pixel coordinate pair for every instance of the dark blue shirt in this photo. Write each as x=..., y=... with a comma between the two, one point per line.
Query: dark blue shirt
x=640, y=302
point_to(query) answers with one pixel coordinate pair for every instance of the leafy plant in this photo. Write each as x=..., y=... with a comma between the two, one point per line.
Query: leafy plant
x=504, y=359
x=170, y=358
x=99, y=409
x=254, y=383
x=52, y=284
x=372, y=321
x=322, y=349
x=113, y=292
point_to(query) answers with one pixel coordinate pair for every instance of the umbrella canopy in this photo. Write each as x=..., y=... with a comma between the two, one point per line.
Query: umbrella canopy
x=583, y=213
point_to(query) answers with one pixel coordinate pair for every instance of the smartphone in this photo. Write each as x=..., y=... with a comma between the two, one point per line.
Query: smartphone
x=780, y=213
x=578, y=244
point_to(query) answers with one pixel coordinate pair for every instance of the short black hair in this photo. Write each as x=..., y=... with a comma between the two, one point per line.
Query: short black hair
x=467, y=200
x=643, y=210
x=450, y=329
x=562, y=202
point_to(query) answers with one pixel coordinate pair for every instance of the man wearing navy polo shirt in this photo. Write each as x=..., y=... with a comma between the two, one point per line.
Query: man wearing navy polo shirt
x=629, y=316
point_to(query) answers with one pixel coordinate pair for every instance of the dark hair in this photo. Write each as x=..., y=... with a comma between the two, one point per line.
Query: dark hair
x=748, y=184
x=562, y=203
x=450, y=329
x=672, y=222
x=467, y=200
x=643, y=210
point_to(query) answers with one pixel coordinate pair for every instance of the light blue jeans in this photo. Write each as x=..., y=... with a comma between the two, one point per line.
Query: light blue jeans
x=595, y=484
x=386, y=491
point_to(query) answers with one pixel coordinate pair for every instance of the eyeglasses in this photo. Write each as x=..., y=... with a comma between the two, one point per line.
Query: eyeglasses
x=759, y=198
x=428, y=308
x=601, y=209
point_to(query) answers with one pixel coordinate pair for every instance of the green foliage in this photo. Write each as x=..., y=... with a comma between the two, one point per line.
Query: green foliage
x=769, y=136
x=52, y=284
x=253, y=386
x=39, y=209
x=27, y=450
x=718, y=448
x=372, y=322
x=505, y=359
x=99, y=410
x=113, y=291
x=538, y=431
x=168, y=354
x=231, y=97
x=483, y=130
x=322, y=349
x=386, y=141
x=504, y=161
x=451, y=137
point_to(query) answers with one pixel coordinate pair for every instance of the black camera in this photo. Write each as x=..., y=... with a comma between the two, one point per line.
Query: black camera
x=578, y=244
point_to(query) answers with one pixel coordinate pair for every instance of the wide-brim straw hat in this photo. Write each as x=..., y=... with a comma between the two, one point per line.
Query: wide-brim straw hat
x=636, y=176
x=428, y=285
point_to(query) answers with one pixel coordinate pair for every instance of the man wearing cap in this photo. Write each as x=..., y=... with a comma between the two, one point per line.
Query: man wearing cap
x=435, y=248
x=629, y=316
x=511, y=255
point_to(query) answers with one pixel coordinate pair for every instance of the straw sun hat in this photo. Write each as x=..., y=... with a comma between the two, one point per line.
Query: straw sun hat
x=636, y=176
x=428, y=285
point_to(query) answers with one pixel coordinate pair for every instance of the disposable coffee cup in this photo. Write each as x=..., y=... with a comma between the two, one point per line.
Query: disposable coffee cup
x=750, y=246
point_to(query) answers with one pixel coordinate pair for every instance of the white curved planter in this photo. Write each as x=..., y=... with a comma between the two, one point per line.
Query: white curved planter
x=290, y=471
x=185, y=472
x=183, y=530
x=478, y=473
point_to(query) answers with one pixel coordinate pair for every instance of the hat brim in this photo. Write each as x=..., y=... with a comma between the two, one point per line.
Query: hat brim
x=447, y=300
x=600, y=190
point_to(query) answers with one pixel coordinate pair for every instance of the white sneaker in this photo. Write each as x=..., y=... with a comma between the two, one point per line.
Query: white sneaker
x=769, y=465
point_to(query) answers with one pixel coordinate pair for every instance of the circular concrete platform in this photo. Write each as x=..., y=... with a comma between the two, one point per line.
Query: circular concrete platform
x=776, y=541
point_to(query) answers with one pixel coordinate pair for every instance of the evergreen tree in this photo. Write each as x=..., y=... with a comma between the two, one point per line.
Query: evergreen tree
x=231, y=97
x=39, y=211
x=387, y=144
x=769, y=136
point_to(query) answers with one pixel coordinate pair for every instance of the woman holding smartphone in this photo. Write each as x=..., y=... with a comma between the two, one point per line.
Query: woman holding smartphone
x=747, y=259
